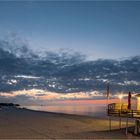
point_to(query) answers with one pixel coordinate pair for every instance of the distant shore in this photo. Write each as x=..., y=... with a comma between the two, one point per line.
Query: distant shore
x=21, y=123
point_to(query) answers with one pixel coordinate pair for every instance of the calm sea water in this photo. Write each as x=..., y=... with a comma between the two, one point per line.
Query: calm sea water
x=89, y=110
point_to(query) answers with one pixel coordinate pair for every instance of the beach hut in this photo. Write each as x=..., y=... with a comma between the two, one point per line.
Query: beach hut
x=138, y=101
x=137, y=121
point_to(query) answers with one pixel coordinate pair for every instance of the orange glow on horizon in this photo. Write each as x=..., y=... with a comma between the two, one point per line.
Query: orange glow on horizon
x=89, y=102
x=53, y=98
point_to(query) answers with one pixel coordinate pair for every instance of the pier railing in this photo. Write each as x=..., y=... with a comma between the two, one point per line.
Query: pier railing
x=124, y=113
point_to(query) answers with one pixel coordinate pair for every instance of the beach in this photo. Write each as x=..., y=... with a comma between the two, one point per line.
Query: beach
x=21, y=123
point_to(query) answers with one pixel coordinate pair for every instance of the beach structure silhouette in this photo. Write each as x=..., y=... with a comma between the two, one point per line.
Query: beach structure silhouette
x=124, y=110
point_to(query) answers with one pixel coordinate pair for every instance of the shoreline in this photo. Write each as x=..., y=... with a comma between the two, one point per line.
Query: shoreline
x=64, y=114
x=73, y=110
x=22, y=123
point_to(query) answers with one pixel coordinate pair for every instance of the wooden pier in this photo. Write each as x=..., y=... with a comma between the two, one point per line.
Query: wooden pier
x=127, y=114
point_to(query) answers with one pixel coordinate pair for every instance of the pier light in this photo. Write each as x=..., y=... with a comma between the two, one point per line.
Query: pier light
x=120, y=96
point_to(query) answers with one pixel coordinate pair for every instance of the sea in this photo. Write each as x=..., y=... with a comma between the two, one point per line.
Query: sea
x=99, y=111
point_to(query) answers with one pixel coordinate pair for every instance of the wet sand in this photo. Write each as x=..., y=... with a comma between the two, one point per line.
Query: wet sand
x=27, y=124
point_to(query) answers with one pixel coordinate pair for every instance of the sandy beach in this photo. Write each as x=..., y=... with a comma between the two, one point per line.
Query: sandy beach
x=18, y=123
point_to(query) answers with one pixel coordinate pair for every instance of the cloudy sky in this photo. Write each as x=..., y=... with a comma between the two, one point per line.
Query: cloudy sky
x=103, y=29
x=98, y=29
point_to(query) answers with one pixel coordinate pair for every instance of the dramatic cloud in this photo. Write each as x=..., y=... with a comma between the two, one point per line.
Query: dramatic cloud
x=37, y=96
x=65, y=75
x=44, y=97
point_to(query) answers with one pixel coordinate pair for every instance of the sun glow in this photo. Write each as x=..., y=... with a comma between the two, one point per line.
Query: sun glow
x=45, y=96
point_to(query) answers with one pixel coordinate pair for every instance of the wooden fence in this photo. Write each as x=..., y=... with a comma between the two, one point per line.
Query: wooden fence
x=124, y=113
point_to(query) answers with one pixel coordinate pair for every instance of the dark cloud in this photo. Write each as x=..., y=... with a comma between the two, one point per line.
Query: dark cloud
x=64, y=72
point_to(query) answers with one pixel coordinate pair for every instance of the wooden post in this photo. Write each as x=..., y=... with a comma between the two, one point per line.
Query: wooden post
x=120, y=123
x=126, y=132
x=109, y=123
x=137, y=127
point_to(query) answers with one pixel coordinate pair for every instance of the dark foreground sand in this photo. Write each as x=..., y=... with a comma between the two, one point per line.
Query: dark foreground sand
x=27, y=124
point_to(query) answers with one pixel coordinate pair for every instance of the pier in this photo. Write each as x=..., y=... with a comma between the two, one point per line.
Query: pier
x=114, y=110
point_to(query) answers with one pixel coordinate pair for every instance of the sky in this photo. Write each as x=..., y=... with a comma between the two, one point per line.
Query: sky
x=98, y=29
